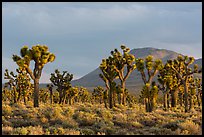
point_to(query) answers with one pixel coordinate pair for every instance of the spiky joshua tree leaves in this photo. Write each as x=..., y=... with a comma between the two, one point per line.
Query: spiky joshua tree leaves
x=182, y=70
x=124, y=65
x=108, y=76
x=20, y=84
x=152, y=67
x=41, y=56
x=168, y=84
x=98, y=93
x=62, y=81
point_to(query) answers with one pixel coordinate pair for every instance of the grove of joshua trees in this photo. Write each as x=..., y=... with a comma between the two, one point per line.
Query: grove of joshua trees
x=174, y=79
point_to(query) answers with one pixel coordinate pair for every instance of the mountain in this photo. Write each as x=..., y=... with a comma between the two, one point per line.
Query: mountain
x=134, y=83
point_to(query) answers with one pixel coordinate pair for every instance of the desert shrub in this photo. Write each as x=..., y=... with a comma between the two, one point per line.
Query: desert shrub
x=84, y=118
x=116, y=109
x=20, y=131
x=104, y=114
x=53, y=113
x=7, y=130
x=69, y=123
x=194, y=129
x=71, y=132
x=5, y=122
x=120, y=117
x=6, y=110
x=172, y=125
x=108, y=130
x=160, y=131
x=87, y=131
x=29, y=104
x=24, y=122
x=136, y=124
x=148, y=120
x=35, y=130
x=84, y=109
x=68, y=112
x=19, y=105
x=44, y=120
x=54, y=131
x=123, y=131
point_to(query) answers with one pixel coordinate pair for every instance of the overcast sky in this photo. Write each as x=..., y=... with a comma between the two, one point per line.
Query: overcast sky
x=81, y=34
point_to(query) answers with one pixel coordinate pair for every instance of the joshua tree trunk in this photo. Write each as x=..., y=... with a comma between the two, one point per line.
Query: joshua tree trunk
x=114, y=98
x=123, y=92
x=60, y=95
x=110, y=95
x=181, y=99
x=15, y=95
x=174, y=98
x=119, y=98
x=51, y=96
x=24, y=99
x=36, y=92
x=105, y=102
x=198, y=100
x=147, y=105
x=19, y=95
x=152, y=104
x=191, y=102
x=70, y=101
x=168, y=101
x=165, y=101
x=185, y=95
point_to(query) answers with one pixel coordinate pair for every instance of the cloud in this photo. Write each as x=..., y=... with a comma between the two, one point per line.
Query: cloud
x=81, y=34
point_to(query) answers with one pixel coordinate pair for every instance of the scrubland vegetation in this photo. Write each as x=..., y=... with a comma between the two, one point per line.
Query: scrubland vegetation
x=95, y=119
x=113, y=110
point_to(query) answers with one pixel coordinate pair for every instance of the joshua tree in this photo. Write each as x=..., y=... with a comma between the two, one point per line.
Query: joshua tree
x=192, y=91
x=124, y=65
x=24, y=86
x=50, y=87
x=199, y=91
x=83, y=94
x=150, y=93
x=152, y=68
x=108, y=76
x=62, y=81
x=181, y=68
x=12, y=83
x=41, y=56
x=168, y=84
x=98, y=93
x=72, y=93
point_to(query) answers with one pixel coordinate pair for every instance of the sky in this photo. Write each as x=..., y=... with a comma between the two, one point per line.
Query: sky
x=82, y=34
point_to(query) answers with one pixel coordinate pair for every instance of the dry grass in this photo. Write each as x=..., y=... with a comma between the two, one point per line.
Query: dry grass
x=89, y=119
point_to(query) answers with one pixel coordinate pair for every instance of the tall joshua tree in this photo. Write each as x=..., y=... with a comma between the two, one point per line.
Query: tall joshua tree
x=41, y=56
x=124, y=65
x=19, y=83
x=62, y=81
x=198, y=84
x=24, y=85
x=108, y=76
x=181, y=67
x=12, y=83
x=152, y=67
x=168, y=84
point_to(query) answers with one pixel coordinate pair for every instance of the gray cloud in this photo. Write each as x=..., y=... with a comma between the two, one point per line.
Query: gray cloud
x=81, y=34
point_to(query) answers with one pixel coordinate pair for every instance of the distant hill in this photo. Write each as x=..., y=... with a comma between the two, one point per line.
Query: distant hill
x=134, y=82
